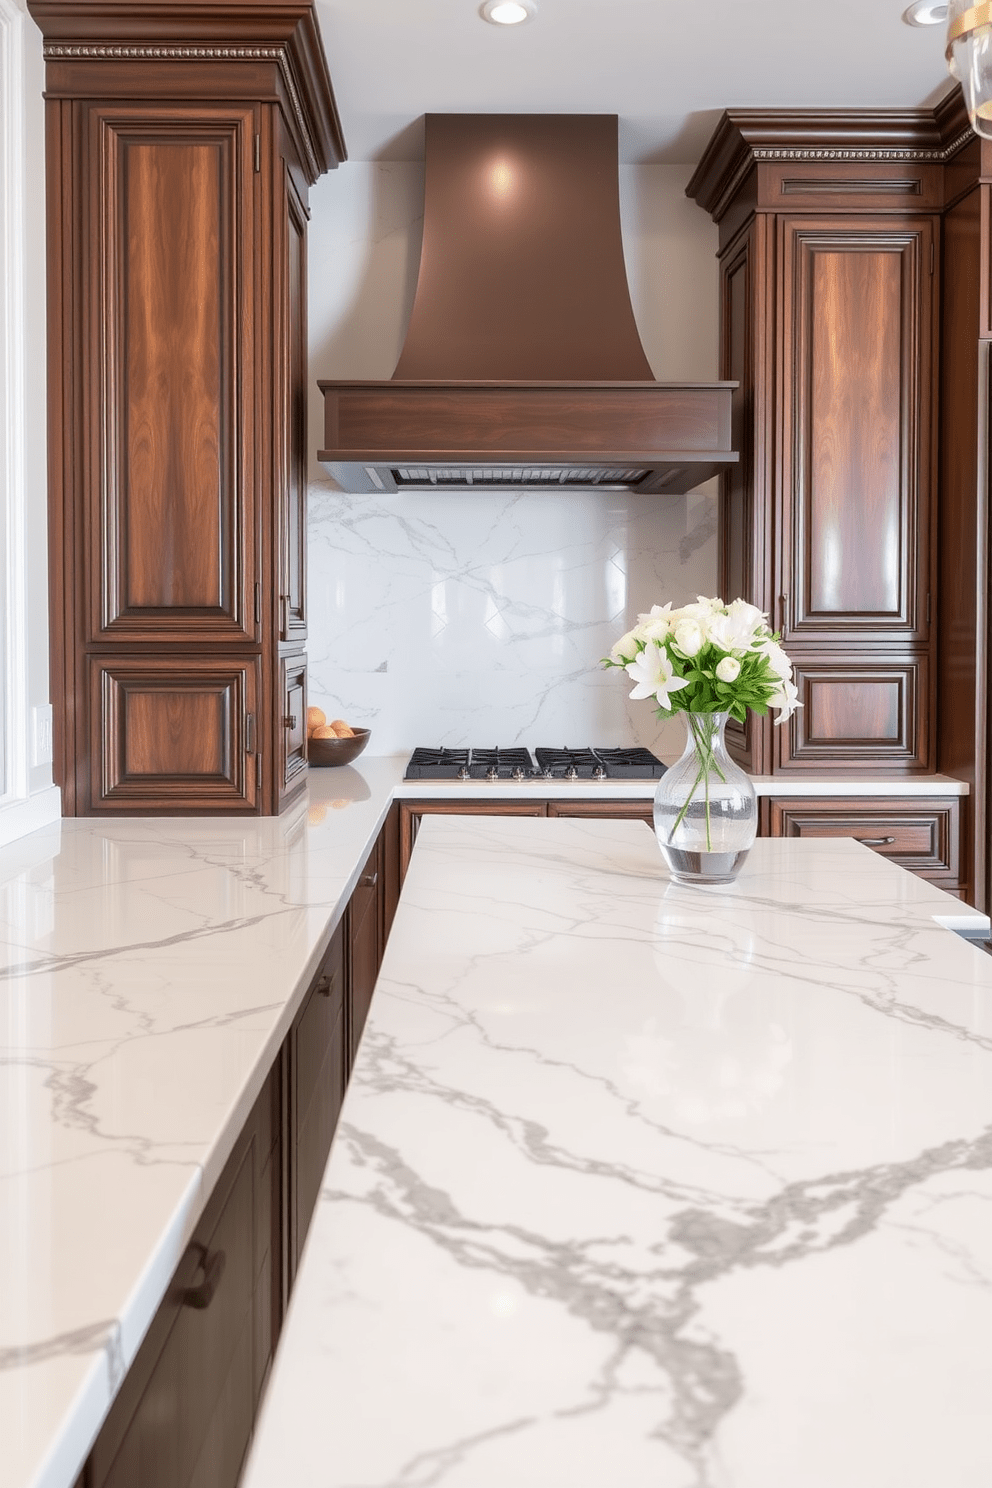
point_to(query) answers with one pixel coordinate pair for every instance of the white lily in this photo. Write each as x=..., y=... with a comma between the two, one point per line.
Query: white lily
x=655, y=676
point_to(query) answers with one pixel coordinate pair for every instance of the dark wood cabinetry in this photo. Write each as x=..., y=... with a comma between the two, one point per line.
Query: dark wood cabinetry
x=181, y=147
x=828, y=322
x=856, y=254
x=184, y=1414
x=921, y=833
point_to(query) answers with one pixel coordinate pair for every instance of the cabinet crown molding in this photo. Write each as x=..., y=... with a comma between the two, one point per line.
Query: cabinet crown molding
x=282, y=32
x=745, y=138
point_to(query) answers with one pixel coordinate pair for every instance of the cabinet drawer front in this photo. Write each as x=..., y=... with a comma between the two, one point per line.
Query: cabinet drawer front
x=921, y=833
x=172, y=734
x=171, y=390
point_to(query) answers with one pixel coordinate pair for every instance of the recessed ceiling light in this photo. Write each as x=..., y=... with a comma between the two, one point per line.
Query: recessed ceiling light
x=508, y=12
x=925, y=13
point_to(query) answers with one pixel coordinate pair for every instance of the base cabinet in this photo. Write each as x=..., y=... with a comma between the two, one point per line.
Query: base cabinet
x=921, y=833
x=184, y=1414
x=412, y=813
x=186, y=1410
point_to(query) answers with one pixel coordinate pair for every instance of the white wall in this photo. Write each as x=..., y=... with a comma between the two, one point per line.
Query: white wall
x=30, y=799
x=481, y=619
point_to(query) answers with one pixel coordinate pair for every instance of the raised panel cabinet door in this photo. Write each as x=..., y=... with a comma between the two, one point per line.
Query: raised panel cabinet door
x=319, y=1066
x=170, y=495
x=858, y=714
x=175, y=733
x=291, y=413
x=293, y=719
x=857, y=333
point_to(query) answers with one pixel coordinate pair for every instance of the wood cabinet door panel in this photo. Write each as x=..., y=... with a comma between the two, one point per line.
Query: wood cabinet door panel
x=319, y=1065
x=856, y=448
x=858, y=715
x=182, y=1418
x=172, y=351
x=173, y=732
x=293, y=719
x=921, y=833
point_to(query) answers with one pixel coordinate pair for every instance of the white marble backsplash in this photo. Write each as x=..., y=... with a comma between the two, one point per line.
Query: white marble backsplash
x=455, y=619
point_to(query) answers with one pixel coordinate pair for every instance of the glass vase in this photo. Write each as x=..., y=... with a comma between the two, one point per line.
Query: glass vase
x=705, y=808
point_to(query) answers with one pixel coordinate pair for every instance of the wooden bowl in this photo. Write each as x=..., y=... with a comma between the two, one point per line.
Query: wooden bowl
x=337, y=751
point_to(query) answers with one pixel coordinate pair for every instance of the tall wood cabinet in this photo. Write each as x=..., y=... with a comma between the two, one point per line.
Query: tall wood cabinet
x=829, y=244
x=183, y=138
x=855, y=260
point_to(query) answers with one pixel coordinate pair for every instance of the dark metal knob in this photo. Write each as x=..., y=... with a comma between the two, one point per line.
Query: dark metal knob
x=212, y=1266
x=492, y=773
x=573, y=773
x=463, y=773
x=518, y=773
x=599, y=773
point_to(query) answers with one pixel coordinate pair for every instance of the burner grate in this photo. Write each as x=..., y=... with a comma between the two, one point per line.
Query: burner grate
x=518, y=764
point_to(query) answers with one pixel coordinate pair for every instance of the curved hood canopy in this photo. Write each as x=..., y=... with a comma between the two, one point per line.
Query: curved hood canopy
x=522, y=364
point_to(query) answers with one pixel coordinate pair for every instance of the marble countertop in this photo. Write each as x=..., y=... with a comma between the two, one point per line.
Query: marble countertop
x=149, y=970
x=641, y=790
x=649, y=1185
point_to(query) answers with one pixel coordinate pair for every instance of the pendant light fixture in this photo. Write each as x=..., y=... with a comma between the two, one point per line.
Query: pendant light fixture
x=969, y=58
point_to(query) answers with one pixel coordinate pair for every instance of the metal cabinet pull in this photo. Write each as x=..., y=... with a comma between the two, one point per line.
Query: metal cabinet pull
x=368, y=880
x=875, y=841
x=324, y=986
x=212, y=1266
x=290, y=721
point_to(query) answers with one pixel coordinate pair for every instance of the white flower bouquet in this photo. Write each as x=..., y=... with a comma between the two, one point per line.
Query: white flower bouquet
x=707, y=657
x=711, y=661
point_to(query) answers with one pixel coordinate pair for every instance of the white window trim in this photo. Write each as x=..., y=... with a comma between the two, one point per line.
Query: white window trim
x=20, y=812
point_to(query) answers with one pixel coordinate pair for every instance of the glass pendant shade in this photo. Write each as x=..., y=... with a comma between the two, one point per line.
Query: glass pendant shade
x=969, y=58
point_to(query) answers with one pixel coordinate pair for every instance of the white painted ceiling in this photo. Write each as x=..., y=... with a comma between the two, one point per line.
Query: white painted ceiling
x=667, y=68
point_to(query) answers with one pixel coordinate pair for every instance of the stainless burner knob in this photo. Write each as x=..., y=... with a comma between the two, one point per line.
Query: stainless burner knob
x=599, y=773
x=463, y=773
x=518, y=773
x=573, y=773
x=492, y=773
x=549, y=774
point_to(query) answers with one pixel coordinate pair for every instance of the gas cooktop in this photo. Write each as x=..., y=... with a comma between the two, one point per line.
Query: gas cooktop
x=519, y=764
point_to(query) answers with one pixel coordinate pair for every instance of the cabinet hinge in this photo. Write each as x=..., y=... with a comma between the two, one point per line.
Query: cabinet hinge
x=258, y=153
x=258, y=604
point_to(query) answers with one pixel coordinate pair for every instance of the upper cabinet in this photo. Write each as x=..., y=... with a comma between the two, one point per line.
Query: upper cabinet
x=829, y=253
x=182, y=143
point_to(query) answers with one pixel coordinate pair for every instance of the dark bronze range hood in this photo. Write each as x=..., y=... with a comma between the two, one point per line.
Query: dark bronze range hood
x=522, y=366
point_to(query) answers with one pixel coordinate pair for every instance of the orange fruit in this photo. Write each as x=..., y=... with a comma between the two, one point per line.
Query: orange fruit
x=325, y=731
x=316, y=718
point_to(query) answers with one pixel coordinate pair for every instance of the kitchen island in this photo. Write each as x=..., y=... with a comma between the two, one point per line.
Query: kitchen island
x=149, y=973
x=649, y=1185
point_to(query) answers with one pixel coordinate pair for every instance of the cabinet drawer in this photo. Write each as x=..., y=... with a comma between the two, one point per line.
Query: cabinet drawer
x=922, y=833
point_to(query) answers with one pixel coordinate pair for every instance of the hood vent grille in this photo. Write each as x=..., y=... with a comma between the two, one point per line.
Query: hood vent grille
x=522, y=365
x=539, y=477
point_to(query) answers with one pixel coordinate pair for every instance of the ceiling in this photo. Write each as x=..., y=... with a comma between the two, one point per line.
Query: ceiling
x=667, y=68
